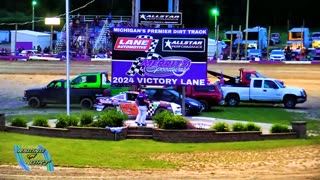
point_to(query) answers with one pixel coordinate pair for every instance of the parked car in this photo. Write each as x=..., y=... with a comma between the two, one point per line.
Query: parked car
x=101, y=56
x=28, y=53
x=254, y=54
x=192, y=106
x=314, y=54
x=264, y=90
x=126, y=101
x=63, y=54
x=55, y=93
x=277, y=55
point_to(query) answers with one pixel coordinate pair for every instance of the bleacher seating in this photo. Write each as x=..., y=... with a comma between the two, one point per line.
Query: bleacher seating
x=90, y=34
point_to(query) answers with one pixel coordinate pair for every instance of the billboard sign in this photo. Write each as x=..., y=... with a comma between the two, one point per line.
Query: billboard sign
x=163, y=18
x=153, y=56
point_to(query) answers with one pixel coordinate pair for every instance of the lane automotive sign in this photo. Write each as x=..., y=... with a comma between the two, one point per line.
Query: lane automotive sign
x=161, y=17
x=159, y=56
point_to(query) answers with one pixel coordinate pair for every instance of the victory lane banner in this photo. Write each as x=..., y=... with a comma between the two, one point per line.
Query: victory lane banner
x=155, y=56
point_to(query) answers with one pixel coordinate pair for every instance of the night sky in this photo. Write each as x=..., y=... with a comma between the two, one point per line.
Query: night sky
x=275, y=13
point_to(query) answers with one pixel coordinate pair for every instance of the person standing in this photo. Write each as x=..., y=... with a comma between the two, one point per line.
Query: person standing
x=142, y=101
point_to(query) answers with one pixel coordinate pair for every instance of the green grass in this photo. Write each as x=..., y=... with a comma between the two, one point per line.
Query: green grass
x=264, y=114
x=126, y=154
x=252, y=113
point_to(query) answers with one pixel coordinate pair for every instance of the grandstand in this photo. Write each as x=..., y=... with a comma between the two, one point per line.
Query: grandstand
x=90, y=34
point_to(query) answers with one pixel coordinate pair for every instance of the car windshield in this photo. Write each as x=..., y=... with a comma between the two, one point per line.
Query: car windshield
x=175, y=93
x=119, y=97
x=275, y=35
x=316, y=35
x=279, y=84
x=254, y=51
x=276, y=52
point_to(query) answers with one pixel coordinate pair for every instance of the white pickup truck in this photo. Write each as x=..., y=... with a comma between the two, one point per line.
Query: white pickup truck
x=264, y=90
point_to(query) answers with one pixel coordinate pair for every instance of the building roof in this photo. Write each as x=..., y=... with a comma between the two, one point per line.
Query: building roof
x=233, y=32
x=298, y=29
x=34, y=33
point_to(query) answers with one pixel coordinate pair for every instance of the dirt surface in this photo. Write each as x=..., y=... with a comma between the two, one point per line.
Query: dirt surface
x=280, y=164
x=284, y=163
x=15, y=77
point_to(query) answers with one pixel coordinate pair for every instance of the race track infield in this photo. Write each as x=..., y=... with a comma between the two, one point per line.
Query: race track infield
x=283, y=163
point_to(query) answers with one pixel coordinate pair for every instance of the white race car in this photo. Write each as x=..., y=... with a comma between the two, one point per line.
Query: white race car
x=125, y=102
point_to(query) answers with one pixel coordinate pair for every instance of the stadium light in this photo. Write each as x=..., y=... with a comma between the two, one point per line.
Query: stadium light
x=51, y=21
x=215, y=13
x=34, y=3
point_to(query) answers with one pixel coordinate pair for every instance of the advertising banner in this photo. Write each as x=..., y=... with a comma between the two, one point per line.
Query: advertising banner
x=163, y=18
x=153, y=56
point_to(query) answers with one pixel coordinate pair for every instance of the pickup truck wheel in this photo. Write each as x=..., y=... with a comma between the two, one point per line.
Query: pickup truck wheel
x=42, y=105
x=232, y=100
x=205, y=105
x=34, y=102
x=86, y=103
x=289, y=102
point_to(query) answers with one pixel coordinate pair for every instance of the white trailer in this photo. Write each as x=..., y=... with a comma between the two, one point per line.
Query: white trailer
x=27, y=36
x=212, y=48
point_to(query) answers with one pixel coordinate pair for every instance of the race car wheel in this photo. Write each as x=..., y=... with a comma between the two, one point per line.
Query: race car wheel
x=34, y=102
x=289, y=102
x=86, y=103
x=109, y=108
x=159, y=110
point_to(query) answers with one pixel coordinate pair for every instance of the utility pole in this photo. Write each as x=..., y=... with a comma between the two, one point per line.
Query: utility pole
x=247, y=24
x=231, y=42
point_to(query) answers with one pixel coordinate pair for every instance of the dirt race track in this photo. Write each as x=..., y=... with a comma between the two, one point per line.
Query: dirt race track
x=284, y=163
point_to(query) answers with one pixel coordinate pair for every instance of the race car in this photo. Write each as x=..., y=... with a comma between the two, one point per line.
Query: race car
x=125, y=102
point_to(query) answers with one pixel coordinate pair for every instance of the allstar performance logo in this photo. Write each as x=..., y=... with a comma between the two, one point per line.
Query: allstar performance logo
x=183, y=44
x=132, y=44
x=161, y=17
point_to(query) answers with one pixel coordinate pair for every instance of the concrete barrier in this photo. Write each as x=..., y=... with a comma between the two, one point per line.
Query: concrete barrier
x=102, y=60
x=37, y=58
x=297, y=62
x=233, y=61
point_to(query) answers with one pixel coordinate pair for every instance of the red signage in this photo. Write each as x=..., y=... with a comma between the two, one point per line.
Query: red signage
x=132, y=44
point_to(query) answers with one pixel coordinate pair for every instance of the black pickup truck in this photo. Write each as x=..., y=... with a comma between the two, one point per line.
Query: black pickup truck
x=56, y=92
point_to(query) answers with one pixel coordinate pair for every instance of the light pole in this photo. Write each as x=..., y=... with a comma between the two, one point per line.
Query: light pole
x=34, y=3
x=215, y=13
